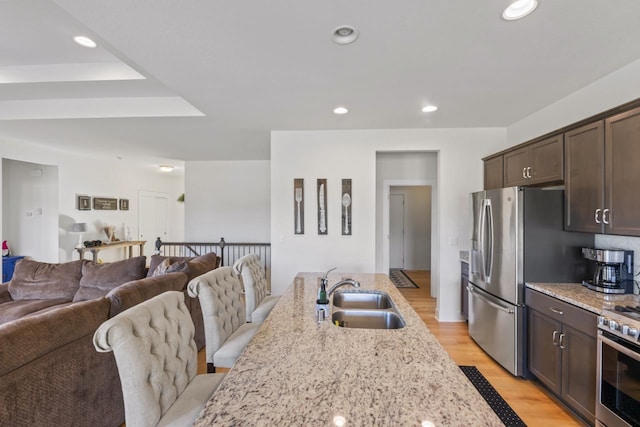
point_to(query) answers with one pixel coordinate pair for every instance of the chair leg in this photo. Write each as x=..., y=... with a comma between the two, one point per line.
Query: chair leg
x=210, y=368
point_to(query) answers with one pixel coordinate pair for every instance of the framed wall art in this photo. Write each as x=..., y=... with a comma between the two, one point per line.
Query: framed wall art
x=298, y=205
x=322, y=206
x=105, y=204
x=346, y=202
x=84, y=203
x=124, y=204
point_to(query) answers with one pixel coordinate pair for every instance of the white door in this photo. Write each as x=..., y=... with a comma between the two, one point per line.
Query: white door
x=152, y=219
x=396, y=231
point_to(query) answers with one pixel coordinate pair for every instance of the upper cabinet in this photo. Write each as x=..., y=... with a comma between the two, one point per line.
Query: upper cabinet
x=537, y=163
x=493, y=173
x=601, y=163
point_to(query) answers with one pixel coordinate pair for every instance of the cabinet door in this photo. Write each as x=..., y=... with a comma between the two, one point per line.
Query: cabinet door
x=579, y=371
x=544, y=354
x=493, y=173
x=546, y=160
x=584, y=178
x=622, y=173
x=515, y=164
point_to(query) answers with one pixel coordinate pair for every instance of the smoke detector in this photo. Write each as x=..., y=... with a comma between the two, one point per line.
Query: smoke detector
x=344, y=34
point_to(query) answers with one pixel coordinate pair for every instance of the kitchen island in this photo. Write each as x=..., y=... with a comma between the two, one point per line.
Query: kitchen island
x=299, y=372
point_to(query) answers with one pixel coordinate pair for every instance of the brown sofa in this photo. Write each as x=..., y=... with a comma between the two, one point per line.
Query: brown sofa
x=50, y=373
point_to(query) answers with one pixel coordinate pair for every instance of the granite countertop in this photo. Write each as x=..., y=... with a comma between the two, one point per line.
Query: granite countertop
x=297, y=371
x=583, y=297
x=464, y=256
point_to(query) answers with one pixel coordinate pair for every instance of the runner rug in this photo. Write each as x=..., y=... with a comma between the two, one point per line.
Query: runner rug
x=400, y=279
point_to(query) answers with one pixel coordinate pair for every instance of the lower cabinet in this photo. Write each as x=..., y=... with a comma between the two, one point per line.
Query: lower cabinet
x=563, y=350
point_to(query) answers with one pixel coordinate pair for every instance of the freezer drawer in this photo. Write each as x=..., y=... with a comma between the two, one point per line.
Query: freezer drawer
x=498, y=328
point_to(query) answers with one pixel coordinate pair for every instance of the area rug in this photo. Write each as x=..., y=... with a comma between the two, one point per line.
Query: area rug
x=493, y=398
x=400, y=279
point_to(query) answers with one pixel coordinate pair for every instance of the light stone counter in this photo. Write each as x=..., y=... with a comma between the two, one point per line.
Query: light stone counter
x=583, y=297
x=297, y=372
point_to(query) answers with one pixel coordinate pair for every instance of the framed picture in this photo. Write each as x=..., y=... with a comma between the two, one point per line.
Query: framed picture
x=124, y=204
x=322, y=207
x=346, y=202
x=105, y=204
x=298, y=205
x=84, y=203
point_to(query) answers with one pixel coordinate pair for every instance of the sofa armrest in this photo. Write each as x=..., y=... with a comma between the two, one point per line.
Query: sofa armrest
x=26, y=339
x=5, y=296
x=137, y=291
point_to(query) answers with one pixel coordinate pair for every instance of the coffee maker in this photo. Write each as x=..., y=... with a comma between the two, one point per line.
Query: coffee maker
x=611, y=270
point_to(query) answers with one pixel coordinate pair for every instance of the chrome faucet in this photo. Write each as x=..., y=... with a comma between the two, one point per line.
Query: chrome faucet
x=323, y=294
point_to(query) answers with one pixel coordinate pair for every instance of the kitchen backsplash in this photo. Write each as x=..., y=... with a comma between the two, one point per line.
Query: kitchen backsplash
x=604, y=241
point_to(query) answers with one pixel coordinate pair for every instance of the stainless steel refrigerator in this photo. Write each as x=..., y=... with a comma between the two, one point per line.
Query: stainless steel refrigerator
x=517, y=237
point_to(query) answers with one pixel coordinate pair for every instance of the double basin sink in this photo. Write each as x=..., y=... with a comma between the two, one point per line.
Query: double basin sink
x=365, y=310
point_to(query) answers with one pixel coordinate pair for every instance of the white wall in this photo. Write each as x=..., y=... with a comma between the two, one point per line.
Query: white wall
x=612, y=90
x=417, y=226
x=102, y=177
x=352, y=154
x=30, y=219
x=229, y=199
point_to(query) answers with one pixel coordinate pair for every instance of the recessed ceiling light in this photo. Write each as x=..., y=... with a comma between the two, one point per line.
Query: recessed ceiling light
x=429, y=109
x=340, y=110
x=344, y=34
x=165, y=168
x=519, y=9
x=85, y=41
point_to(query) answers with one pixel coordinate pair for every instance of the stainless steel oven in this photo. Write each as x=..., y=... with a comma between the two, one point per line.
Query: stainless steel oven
x=618, y=398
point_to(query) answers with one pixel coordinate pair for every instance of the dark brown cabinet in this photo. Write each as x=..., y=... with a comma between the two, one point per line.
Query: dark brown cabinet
x=537, y=163
x=601, y=163
x=464, y=293
x=493, y=173
x=562, y=350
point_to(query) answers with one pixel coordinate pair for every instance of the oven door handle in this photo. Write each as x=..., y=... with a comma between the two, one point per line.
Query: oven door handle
x=622, y=349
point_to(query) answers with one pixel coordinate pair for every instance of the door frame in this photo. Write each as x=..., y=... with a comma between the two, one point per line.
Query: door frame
x=403, y=229
x=155, y=194
x=435, y=231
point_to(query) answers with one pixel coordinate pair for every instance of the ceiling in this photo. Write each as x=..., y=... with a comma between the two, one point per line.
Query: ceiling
x=209, y=79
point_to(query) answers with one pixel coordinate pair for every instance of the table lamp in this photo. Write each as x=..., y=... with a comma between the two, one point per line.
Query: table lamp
x=79, y=227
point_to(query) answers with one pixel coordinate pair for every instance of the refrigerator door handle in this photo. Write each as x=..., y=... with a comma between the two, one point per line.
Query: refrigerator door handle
x=489, y=302
x=486, y=239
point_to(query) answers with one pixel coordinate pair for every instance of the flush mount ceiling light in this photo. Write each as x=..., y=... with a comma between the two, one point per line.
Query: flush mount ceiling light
x=519, y=9
x=344, y=34
x=340, y=110
x=85, y=41
x=165, y=168
x=429, y=108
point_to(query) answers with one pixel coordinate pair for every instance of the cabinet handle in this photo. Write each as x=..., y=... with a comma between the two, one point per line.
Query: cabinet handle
x=562, y=342
x=555, y=338
x=596, y=216
x=556, y=311
x=604, y=216
x=524, y=173
x=529, y=172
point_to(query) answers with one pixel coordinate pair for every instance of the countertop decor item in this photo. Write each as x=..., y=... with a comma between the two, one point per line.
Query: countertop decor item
x=79, y=228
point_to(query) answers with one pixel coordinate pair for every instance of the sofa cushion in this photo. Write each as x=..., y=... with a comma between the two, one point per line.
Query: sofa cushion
x=13, y=310
x=161, y=268
x=41, y=280
x=98, y=279
x=192, y=267
x=156, y=260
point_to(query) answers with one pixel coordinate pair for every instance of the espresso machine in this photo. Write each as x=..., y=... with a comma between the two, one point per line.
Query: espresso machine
x=611, y=270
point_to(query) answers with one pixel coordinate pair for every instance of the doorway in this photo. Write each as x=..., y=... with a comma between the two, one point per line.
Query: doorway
x=396, y=231
x=152, y=218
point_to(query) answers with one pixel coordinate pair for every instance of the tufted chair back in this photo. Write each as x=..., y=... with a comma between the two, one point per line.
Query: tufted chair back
x=251, y=270
x=155, y=352
x=220, y=294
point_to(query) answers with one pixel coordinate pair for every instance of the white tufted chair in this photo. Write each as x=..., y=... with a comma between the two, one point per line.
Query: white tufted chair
x=258, y=304
x=225, y=328
x=157, y=361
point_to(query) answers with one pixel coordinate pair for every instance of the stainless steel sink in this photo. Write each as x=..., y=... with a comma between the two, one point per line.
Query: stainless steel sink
x=363, y=300
x=367, y=319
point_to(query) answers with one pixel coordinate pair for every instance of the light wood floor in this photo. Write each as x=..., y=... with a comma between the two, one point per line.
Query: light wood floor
x=533, y=405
